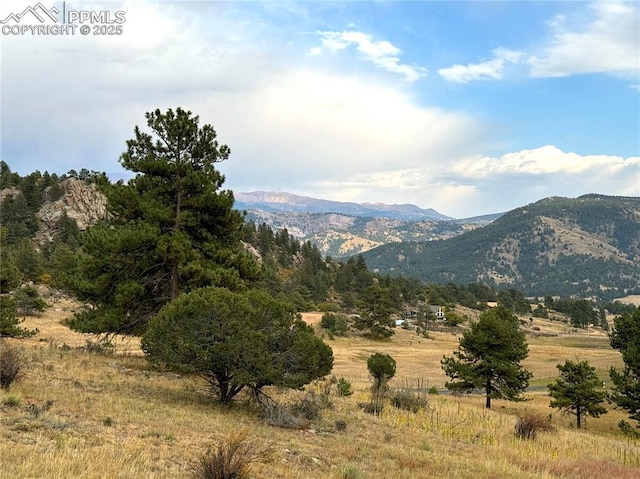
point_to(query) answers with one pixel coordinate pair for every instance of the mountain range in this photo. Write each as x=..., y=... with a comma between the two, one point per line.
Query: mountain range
x=271, y=201
x=341, y=229
x=586, y=246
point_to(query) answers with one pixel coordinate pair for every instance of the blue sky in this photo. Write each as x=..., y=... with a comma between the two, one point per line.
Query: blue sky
x=465, y=107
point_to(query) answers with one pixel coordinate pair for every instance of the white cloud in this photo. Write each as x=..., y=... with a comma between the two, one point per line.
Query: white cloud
x=382, y=53
x=311, y=128
x=546, y=160
x=607, y=43
x=522, y=177
x=489, y=70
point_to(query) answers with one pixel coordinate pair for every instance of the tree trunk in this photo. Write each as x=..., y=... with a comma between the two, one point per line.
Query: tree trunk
x=578, y=414
x=175, y=286
x=488, y=388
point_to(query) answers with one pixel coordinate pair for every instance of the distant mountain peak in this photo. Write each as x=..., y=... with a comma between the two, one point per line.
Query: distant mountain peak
x=272, y=201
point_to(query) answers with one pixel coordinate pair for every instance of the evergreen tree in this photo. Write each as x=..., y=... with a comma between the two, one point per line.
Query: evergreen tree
x=382, y=368
x=10, y=275
x=172, y=228
x=7, y=178
x=313, y=275
x=576, y=391
x=514, y=300
x=236, y=340
x=377, y=305
x=17, y=218
x=625, y=337
x=9, y=320
x=489, y=358
x=27, y=259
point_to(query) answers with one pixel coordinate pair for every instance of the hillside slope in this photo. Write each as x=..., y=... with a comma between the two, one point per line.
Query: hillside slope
x=588, y=246
x=339, y=235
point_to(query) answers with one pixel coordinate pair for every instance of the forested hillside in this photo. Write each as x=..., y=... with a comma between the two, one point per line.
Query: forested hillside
x=341, y=235
x=588, y=246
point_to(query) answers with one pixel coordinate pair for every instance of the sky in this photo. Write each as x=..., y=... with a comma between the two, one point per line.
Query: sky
x=469, y=108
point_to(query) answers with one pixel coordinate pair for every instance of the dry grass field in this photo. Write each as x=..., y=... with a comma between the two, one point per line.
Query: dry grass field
x=82, y=414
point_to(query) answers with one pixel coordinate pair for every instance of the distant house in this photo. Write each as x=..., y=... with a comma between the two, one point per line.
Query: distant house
x=411, y=315
x=492, y=304
x=438, y=312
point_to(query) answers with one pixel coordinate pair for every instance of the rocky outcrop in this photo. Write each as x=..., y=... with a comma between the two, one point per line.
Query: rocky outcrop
x=81, y=201
x=8, y=193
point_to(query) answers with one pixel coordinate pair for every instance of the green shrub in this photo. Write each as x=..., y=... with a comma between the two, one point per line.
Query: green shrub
x=11, y=400
x=351, y=472
x=328, y=307
x=433, y=390
x=382, y=368
x=336, y=324
x=453, y=319
x=344, y=387
x=28, y=301
x=9, y=320
x=628, y=429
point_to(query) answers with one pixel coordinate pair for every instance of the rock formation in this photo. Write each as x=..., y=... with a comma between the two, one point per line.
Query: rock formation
x=81, y=201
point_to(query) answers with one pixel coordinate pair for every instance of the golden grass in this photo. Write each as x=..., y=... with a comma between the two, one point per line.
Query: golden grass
x=88, y=415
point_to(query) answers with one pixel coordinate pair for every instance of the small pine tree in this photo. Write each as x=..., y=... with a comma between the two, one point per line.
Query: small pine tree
x=382, y=368
x=575, y=391
x=9, y=320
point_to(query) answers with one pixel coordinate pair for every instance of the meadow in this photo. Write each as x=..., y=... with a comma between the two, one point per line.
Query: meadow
x=82, y=412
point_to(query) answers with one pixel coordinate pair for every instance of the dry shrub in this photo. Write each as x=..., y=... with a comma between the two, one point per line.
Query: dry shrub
x=374, y=407
x=530, y=423
x=231, y=459
x=11, y=363
x=408, y=400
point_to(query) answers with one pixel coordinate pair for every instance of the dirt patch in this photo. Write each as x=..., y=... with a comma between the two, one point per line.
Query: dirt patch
x=312, y=318
x=634, y=299
x=52, y=330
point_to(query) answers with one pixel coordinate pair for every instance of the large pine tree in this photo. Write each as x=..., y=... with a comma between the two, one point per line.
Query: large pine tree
x=171, y=228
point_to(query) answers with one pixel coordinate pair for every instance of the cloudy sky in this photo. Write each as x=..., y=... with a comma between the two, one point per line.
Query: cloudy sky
x=465, y=107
